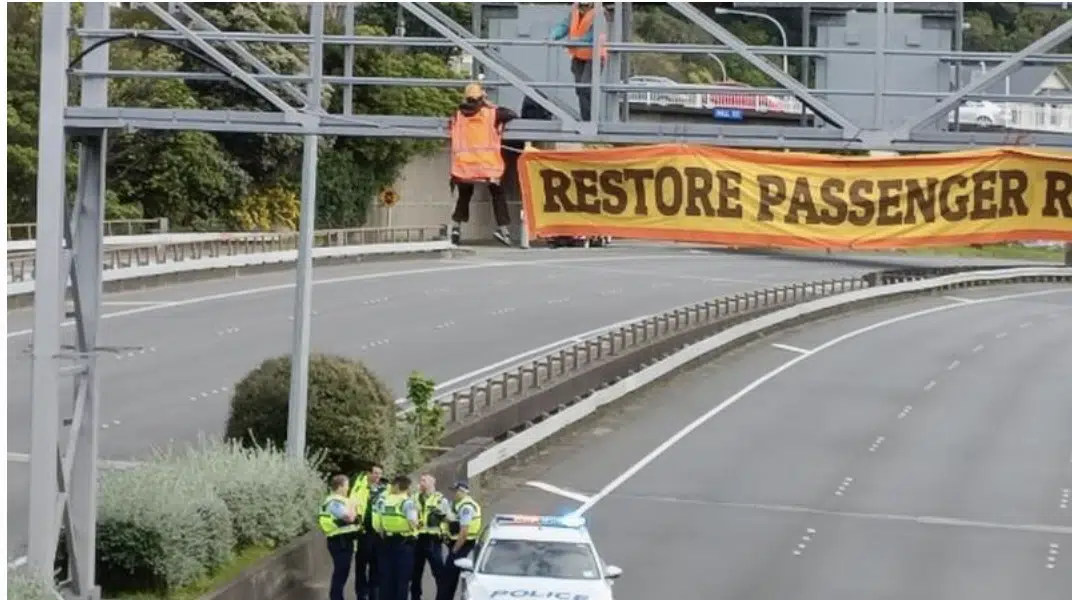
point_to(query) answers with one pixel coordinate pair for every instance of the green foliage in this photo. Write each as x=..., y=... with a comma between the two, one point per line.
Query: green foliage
x=427, y=416
x=22, y=585
x=351, y=418
x=271, y=209
x=159, y=528
x=182, y=517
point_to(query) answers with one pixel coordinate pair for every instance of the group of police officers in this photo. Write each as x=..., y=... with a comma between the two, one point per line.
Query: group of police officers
x=389, y=532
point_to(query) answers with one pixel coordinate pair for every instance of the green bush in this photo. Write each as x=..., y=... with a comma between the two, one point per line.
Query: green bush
x=271, y=498
x=351, y=420
x=21, y=585
x=160, y=527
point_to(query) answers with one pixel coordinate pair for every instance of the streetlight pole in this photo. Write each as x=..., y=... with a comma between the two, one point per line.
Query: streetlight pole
x=758, y=15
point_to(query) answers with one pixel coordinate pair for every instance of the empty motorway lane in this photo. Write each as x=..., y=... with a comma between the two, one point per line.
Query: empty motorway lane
x=921, y=450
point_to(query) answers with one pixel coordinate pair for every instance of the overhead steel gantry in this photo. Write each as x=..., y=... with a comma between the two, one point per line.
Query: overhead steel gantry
x=69, y=242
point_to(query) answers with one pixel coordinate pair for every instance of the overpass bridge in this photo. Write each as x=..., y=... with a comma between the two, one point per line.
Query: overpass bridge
x=890, y=112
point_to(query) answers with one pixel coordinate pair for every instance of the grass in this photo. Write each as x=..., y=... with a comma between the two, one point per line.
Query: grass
x=243, y=560
x=1011, y=251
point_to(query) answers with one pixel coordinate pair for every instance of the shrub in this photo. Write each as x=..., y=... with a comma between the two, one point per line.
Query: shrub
x=271, y=499
x=160, y=527
x=22, y=585
x=269, y=209
x=351, y=418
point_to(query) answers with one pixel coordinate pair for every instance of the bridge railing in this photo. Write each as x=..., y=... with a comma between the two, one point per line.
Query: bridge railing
x=177, y=248
x=28, y=231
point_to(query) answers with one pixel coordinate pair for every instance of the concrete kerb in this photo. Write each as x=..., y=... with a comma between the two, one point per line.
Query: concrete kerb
x=25, y=299
x=299, y=570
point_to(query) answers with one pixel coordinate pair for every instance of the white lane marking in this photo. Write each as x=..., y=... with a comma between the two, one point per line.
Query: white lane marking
x=373, y=344
x=904, y=413
x=953, y=365
x=364, y=277
x=878, y=442
x=930, y=385
x=558, y=300
x=502, y=311
x=445, y=325
x=19, y=457
x=1001, y=335
x=1025, y=324
x=135, y=302
x=959, y=299
x=554, y=489
x=844, y=487
x=917, y=519
x=978, y=348
x=804, y=539
x=1066, y=497
x=728, y=402
x=1051, y=558
x=791, y=348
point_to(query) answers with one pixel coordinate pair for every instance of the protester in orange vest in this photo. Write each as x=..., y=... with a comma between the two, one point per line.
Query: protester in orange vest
x=476, y=157
x=578, y=27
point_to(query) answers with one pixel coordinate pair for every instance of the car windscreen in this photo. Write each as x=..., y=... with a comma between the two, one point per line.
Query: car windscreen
x=530, y=558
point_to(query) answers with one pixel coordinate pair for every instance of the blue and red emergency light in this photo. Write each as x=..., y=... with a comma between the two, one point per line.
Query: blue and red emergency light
x=570, y=521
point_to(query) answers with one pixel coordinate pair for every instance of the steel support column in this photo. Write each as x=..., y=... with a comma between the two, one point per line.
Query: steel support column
x=568, y=122
x=348, y=64
x=303, y=301
x=51, y=276
x=1044, y=44
x=882, y=30
x=794, y=87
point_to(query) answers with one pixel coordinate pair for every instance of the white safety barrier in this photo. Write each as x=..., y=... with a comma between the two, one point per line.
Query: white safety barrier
x=528, y=438
x=250, y=260
x=150, y=239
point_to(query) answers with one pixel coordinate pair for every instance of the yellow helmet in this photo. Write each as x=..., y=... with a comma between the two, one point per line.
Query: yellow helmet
x=474, y=91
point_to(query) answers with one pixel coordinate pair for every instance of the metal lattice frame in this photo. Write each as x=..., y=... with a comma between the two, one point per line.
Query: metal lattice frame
x=63, y=483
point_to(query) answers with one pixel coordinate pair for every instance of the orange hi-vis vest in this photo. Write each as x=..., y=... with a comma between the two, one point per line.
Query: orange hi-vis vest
x=476, y=146
x=578, y=27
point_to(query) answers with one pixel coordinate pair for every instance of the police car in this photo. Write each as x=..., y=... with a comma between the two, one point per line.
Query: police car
x=530, y=557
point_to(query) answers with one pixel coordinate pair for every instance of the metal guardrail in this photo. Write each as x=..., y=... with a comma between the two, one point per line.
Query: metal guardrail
x=682, y=339
x=20, y=266
x=28, y=231
x=464, y=405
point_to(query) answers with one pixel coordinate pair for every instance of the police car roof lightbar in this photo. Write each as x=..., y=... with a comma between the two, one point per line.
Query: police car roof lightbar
x=570, y=521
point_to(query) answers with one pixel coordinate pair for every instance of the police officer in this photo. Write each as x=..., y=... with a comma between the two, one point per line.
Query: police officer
x=433, y=508
x=396, y=519
x=367, y=488
x=339, y=521
x=462, y=531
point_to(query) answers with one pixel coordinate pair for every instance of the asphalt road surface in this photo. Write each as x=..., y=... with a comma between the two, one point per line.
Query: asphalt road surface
x=178, y=351
x=921, y=450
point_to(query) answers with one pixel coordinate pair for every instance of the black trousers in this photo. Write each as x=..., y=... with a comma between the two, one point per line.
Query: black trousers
x=366, y=580
x=429, y=549
x=465, y=196
x=341, y=548
x=447, y=584
x=396, y=567
x=582, y=73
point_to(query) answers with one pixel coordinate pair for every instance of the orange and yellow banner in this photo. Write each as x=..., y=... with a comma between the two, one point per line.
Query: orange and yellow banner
x=756, y=198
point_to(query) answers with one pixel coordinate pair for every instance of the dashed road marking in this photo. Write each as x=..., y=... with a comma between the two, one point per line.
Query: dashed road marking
x=377, y=343
x=978, y=348
x=371, y=301
x=904, y=412
x=844, y=487
x=613, y=292
x=436, y=291
x=502, y=311
x=877, y=443
x=804, y=540
x=558, y=300
x=1000, y=335
x=953, y=365
x=445, y=325
x=791, y=348
x=228, y=331
x=1066, y=497
x=930, y=385
x=554, y=489
x=1025, y=324
x=1051, y=556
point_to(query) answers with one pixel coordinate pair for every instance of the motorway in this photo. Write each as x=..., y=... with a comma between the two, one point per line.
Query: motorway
x=918, y=450
x=179, y=350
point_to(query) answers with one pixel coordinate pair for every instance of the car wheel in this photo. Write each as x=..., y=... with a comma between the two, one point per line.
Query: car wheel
x=984, y=121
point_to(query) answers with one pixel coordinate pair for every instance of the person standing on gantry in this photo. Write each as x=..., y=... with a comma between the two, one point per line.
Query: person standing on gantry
x=476, y=157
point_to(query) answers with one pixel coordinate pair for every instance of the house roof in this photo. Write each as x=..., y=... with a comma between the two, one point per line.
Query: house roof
x=1024, y=81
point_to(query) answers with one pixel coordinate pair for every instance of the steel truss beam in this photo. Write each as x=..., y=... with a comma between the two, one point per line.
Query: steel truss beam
x=530, y=130
x=1040, y=46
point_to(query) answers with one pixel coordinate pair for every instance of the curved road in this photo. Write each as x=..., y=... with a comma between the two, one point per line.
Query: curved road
x=180, y=349
x=923, y=450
